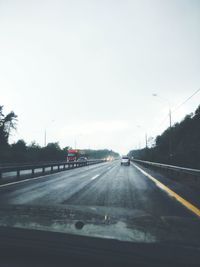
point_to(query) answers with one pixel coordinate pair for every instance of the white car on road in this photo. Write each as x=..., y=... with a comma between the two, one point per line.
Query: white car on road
x=125, y=160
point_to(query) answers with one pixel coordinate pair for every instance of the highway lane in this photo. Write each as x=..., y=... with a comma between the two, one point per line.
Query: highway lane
x=106, y=184
x=48, y=187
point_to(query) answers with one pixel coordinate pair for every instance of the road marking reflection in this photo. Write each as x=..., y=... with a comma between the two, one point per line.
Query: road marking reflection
x=94, y=177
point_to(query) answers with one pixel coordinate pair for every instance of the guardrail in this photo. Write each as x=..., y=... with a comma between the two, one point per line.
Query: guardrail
x=187, y=175
x=28, y=163
x=61, y=166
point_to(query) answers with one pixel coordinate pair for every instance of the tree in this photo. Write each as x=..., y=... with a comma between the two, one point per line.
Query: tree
x=7, y=124
x=20, y=145
x=19, y=151
x=185, y=137
x=52, y=152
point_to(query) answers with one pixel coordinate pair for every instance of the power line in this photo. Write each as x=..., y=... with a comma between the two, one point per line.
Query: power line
x=186, y=100
x=158, y=125
x=175, y=109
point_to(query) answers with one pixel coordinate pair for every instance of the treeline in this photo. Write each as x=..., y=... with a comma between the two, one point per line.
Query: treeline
x=22, y=152
x=179, y=145
x=100, y=154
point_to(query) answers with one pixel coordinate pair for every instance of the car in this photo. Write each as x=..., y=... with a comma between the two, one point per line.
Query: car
x=82, y=159
x=125, y=161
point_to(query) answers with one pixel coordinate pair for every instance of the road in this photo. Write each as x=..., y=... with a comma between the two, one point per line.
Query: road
x=107, y=184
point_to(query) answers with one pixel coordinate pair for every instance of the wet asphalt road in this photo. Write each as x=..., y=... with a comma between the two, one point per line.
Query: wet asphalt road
x=107, y=184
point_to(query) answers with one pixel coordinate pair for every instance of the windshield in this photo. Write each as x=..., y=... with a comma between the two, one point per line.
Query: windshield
x=117, y=82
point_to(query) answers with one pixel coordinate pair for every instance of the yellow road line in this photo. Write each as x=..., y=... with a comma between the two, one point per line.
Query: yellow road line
x=184, y=202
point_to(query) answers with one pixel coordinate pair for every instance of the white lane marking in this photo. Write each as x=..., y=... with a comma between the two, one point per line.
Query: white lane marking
x=23, y=181
x=36, y=178
x=84, y=175
x=94, y=177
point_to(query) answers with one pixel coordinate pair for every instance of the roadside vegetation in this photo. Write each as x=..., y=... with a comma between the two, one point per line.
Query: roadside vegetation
x=185, y=144
x=22, y=152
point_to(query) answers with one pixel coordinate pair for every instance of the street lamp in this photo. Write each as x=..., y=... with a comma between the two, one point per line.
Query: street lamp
x=45, y=137
x=45, y=134
x=146, y=142
x=170, y=123
x=77, y=137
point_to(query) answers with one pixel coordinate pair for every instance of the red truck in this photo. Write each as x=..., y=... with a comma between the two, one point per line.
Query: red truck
x=73, y=155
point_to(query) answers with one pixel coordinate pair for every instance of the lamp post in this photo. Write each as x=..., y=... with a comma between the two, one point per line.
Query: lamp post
x=146, y=141
x=170, y=123
x=45, y=134
x=45, y=138
x=77, y=139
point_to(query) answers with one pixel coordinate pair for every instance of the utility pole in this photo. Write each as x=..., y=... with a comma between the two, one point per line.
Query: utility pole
x=45, y=132
x=146, y=142
x=170, y=125
x=170, y=134
x=45, y=138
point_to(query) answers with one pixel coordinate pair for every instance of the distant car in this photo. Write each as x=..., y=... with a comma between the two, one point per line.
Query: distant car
x=125, y=161
x=82, y=159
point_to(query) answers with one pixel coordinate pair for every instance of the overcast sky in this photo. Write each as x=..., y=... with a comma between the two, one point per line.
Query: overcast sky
x=86, y=70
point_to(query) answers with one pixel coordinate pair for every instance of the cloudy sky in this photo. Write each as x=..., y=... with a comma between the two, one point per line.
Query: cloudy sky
x=86, y=70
